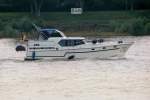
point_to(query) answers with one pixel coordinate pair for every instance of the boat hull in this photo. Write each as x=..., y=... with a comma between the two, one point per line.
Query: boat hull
x=101, y=52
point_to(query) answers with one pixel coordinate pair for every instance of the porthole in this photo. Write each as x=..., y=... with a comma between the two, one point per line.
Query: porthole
x=93, y=49
x=115, y=46
x=104, y=47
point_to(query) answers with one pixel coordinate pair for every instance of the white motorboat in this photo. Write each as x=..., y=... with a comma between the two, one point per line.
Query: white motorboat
x=53, y=43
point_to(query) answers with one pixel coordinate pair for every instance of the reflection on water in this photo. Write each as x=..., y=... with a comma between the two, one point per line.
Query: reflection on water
x=117, y=79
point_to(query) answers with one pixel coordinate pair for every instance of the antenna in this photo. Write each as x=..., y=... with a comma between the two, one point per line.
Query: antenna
x=36, y=27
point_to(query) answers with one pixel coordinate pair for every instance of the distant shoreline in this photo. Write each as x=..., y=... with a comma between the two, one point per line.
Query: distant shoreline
x=98, y=23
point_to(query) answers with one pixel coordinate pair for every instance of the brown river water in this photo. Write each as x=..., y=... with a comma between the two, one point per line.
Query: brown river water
x=88, y=79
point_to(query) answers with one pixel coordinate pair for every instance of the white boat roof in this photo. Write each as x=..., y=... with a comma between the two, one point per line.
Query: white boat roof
x=46, y=34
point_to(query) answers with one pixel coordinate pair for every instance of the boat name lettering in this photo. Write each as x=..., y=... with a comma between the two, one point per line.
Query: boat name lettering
x=43, y=48
x=36, y=44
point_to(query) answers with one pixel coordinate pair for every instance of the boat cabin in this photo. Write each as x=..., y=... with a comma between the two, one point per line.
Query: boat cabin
x=57, y=37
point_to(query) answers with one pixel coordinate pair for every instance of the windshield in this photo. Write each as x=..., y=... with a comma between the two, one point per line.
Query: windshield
x=45, y=34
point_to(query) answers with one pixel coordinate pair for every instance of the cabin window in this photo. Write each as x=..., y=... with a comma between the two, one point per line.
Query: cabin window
x=65, y=42
x=78, y=42
x=55, y=34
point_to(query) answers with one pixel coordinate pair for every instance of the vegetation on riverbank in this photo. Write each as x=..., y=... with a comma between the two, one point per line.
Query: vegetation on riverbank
x=107, y=23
